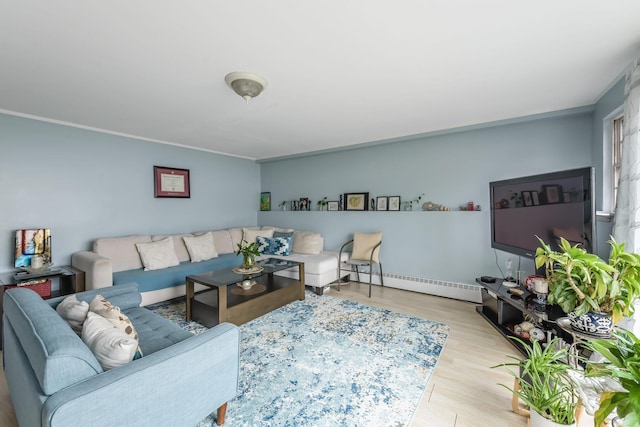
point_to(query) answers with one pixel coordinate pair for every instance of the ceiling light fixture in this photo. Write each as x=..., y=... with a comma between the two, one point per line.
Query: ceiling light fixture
x=247, y=85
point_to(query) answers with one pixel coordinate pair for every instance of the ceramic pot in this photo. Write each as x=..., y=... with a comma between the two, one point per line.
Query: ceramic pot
x=248, y=260
x=538, y=420
x=592, y=323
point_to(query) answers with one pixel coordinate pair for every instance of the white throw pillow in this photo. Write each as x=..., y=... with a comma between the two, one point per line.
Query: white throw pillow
x=158, y=255
x=102, y=306
x=201, y=248
x=74, y=312
x=250, y=235
x=178, y=245
x=111, y=346
x=307, y=242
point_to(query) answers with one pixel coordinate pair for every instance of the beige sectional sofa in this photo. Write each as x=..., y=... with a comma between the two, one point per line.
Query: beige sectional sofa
x=160, y=263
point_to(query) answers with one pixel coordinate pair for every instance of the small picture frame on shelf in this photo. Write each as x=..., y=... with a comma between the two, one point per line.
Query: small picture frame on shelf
x=535, y=199
x=304, y=204
x=552, y=194
x=265, y=201
x=393, y=203
x=526, y=198
x=382, y=203
x=333, y=206
x=356, y=201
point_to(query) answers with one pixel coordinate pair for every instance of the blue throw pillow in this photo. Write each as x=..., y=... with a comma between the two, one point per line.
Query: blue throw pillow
x=274, y=246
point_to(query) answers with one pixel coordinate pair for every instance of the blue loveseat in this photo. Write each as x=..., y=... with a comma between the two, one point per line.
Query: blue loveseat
x=55, y=380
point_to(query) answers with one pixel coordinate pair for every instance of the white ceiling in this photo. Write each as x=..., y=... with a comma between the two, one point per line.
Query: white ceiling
x=340, y=72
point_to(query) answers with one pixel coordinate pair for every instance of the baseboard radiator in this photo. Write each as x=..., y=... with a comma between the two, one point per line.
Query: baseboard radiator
x=441, y=288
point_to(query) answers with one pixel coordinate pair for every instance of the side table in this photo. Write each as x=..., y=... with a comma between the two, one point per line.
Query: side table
x=70, y=281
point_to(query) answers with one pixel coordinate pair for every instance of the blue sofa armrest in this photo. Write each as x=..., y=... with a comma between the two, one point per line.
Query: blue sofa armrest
x=178, y=385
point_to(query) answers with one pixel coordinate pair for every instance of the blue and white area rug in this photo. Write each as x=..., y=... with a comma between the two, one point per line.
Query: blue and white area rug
x=328, y=361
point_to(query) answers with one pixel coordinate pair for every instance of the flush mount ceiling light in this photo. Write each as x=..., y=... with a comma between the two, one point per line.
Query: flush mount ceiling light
x=247, y=85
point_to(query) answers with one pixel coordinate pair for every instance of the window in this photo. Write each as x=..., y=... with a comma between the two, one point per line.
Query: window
x=617, y=140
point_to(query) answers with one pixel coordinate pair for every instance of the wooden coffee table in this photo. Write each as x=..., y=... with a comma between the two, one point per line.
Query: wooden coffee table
x=225, y=301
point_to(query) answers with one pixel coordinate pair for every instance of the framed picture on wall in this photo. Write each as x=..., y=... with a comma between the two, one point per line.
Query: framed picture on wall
x=535, y=198
x=552, y=193
x=526, y=198
x=265, y=201
x=394, y=203
x=333, y=206
x=356, y=201
x=381, y=203
x=171, y=182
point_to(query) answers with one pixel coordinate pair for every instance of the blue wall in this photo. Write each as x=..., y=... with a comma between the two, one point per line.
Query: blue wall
x=450, y=169
x=83, y=185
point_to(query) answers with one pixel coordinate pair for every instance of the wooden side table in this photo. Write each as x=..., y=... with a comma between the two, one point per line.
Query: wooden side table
x=70, y=281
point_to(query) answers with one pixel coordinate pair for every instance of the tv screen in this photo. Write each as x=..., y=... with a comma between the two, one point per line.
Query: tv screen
x=551, y=205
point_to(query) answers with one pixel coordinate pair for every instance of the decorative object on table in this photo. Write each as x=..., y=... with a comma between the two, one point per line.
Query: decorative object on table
x=394, y=203
x=333, y=206
x=478, y=208
x=284, y=205
x=470, y=206
x=248, y=251
x=322, y=204
x=580, y=282
x=382, y=203
x=356, y=201
x=32, y=244
x=265, y=201
x=621, y=360
x=304, y=204
x=253, y=290
x=408, y=206
x=171, y=182
x=541, y=290
x=542, y=382
x=247, y=284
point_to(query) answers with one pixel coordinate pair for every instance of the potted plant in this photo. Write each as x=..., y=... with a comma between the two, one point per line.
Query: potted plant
x=595, y=294
x=544, y=384
x=249, y=251
x=408, y=205
x=322, y=203
x=622, y=363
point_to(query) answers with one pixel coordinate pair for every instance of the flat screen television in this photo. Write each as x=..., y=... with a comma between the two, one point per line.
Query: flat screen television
x=550, y=205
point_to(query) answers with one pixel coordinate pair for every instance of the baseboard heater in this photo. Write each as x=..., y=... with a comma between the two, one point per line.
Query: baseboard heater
x=441, y=288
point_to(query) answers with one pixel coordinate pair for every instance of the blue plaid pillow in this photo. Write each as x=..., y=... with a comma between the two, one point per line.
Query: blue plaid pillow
x=275, y=246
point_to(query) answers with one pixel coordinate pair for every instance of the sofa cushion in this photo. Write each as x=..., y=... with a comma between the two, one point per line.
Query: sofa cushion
x=178, y=245
x=274, y=246
x=158, y=255
x=111, y=346
x=250, y=235
x=363, y=244
x=201, y=248
x=154, y=331
x=121, y=251
x=74, y=312
x=101, y=306
x=236, y=236
x=222, y=241
x=57, y=355
x=307, y=242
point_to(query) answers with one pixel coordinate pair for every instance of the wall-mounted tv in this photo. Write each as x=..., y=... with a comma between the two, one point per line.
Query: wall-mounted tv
x=550, y=205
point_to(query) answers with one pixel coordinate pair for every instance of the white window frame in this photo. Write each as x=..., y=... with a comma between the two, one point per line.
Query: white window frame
x=608, y=172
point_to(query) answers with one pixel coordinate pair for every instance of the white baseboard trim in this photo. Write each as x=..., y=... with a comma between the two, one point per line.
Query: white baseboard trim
x=441, y=288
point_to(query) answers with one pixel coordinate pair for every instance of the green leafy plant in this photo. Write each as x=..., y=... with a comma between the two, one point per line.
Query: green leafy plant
x=409, y=203
x=622, y=355
x=322, y=203
x=249, y=251
x=580, y=281
x=545, y=385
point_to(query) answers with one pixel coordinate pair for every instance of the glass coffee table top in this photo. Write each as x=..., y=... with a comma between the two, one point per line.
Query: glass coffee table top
x=226, y=276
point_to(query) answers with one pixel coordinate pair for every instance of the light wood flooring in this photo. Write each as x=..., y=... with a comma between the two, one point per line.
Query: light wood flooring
x=463, y=390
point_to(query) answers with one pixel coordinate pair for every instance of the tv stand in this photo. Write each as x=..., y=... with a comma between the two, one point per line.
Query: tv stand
x=503, y=309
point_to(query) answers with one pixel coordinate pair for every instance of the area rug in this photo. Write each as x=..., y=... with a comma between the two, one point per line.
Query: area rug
x=327, y=361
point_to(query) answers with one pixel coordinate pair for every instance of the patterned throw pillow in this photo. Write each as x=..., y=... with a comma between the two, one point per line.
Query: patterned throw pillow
x=158, y=255
x=110, y=345
x=274, y=246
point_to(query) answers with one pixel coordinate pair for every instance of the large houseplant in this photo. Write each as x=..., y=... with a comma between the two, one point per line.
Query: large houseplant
x=581, y=282
x=622, y=363
x=545, y=385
